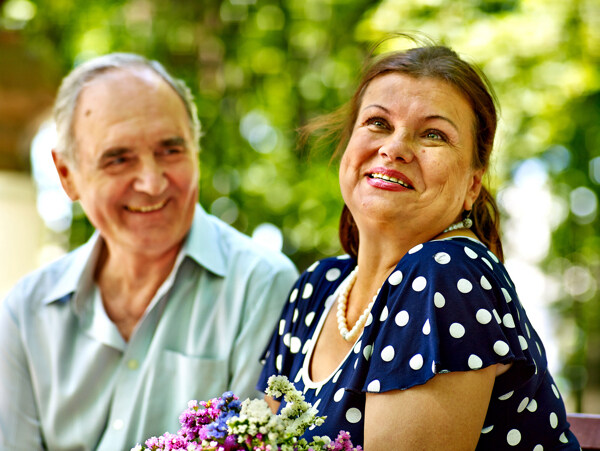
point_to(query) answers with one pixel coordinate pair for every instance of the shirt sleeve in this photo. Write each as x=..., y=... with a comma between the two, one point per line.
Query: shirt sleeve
x=449, y=306
x=19, y=419
x=267, y=291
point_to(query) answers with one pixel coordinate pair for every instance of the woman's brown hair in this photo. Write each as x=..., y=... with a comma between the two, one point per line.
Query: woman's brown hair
x=442, y=63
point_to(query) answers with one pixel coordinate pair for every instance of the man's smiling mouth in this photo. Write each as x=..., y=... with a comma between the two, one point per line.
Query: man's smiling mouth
x=377, y=175
x=146, y=208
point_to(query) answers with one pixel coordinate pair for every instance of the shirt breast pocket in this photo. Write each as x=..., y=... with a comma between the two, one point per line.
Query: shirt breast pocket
x=180, y=378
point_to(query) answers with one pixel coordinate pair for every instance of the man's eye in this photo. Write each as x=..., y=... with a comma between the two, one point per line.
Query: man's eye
x=116, y=161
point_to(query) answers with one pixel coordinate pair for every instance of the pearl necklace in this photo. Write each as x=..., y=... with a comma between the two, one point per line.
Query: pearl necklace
x=341, y=310
x=464, y=224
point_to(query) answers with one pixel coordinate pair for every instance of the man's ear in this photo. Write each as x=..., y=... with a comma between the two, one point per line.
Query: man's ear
x=473, y=189
x=65, y=173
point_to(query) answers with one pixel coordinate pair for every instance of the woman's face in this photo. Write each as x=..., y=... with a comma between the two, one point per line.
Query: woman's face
x=408, y=163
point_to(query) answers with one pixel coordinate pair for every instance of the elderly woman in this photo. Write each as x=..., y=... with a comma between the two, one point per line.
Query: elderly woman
x=416, y=339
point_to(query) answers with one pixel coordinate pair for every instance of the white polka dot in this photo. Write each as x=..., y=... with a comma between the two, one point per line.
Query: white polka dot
x=337, y=397
x=433, y=369
x=508, y=321
x=336, y=376
x=442, y=258
x=537, y=344
x=419, y=283
x=387, y=354
x=513, y=438
x=553, y=420
x=487, y=262
x=286, y=339
x=295, y=345
x=485, y=284
x=417, y=248
x=295, y=315
x=487, y=429
x=374, y=386
x=506, y=294
x=563, y=438
x=496, y=316
x=470, y=253
x=501, y=348
x=368, y=351
x=505, y=396
x=523, y=404
x=343, y=257
x=523, y=342
x=293, y=295
x=305, y=347
x=312, y=267
x=316, y=404
x=555, y=390
x=493, y=257
x=278, y=362
x=298, y=377
x=308, y=289
x=439, y=300
x=353, y=415
x=416, y=362
x=475, y=362
x=355, y=363
x=357, y=346
x=483, y=316
x=464, y=286
x=426, y=328
x=457, y=330
x=395, y=278
x=527, y=330
x=402, y=318
x=532, y=406
x=281, y=326
x=333, y=274
x=369, y=320
x=384, y=314
x=309, y=318
x=538, y=448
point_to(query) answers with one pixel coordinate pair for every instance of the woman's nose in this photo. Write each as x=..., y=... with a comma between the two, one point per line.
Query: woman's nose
x=397, y=148
x=150, y=179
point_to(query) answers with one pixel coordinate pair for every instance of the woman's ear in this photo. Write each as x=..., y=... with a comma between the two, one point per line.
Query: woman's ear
x=65, y=174
x=473, y=189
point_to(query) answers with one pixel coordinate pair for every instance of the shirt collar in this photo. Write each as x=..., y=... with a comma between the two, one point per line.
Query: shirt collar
x=202, y=244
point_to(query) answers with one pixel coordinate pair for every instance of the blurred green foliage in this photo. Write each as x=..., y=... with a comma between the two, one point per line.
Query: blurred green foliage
x=261, y=68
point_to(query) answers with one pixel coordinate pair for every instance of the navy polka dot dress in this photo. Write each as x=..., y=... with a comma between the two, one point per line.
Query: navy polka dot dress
x=449, y=305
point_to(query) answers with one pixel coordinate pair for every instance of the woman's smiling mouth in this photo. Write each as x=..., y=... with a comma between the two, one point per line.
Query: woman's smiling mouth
x=387, y=178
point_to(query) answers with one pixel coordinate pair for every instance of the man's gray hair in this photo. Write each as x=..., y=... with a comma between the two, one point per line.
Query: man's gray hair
x=72, y=85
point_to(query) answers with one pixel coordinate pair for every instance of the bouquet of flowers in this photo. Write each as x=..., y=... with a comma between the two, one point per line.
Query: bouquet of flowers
x=226, y=424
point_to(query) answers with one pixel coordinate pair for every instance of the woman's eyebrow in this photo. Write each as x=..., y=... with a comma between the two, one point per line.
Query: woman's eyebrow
x=443, y=118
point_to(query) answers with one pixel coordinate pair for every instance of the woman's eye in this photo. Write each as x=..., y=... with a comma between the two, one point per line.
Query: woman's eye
x=435, y=135
x=377, y=122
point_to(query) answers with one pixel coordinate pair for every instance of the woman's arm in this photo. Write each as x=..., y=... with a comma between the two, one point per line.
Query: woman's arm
x=446, y=413
x=274, y=405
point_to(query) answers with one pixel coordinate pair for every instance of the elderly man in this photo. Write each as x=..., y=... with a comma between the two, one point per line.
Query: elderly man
x=104, y=347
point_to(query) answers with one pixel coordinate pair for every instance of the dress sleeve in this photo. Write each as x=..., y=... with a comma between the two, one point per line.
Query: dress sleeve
x=448, y=306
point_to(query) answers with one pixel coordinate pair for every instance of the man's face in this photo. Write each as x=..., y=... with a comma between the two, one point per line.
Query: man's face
x=136, y=169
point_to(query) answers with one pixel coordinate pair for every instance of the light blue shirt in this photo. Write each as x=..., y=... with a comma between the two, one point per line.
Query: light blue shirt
x=68, y=380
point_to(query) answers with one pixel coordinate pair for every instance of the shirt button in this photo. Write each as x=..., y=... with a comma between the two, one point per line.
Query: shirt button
x=118, y=425
x=133, y=364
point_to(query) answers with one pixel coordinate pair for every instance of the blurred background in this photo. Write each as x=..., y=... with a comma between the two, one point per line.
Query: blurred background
x=259, y=69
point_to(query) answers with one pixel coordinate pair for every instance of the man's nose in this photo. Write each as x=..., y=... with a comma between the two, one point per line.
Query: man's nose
x=398, y=147
x=151, y=178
